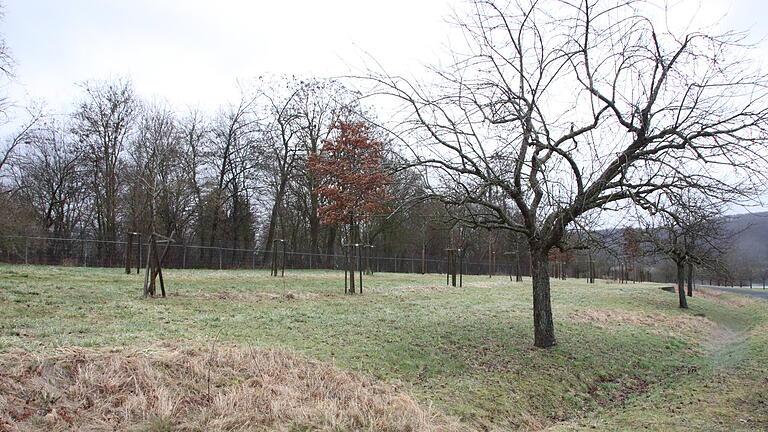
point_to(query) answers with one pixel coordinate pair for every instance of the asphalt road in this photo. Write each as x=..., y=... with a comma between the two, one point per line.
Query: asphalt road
x=755, y=292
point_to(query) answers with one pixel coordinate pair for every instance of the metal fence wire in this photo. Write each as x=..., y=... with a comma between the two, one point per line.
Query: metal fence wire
x=82, y=252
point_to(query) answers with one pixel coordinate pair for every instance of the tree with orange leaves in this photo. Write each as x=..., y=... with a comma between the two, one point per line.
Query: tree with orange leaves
x=353, y=184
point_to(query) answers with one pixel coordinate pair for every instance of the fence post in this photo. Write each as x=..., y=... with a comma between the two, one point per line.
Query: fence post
x=184, y=256
x=220, y=259
x=26, y=250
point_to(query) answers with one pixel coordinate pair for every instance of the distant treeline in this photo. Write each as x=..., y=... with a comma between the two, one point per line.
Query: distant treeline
x=236, y=178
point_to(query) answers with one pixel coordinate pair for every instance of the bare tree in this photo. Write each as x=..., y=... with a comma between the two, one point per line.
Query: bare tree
x=195, y=135
x=688, y=229
x=34, y=114
x=103, y=124
x=162, y=185
x=566, y=109
x=282, y=147
x=233, y=159
x=50, y=175
x=22, y=135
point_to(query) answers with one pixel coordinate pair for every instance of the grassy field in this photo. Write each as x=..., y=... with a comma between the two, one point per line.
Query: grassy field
x=408, y=354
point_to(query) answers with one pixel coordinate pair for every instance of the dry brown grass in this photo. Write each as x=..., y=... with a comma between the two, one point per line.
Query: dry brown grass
x=664, y=324
x=180, y=388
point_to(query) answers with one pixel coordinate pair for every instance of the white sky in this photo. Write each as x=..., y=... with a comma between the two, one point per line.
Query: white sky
x=191, y=52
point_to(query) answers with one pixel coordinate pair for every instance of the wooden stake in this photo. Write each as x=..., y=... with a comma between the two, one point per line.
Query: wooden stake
x=158, y=271
x=147, y=291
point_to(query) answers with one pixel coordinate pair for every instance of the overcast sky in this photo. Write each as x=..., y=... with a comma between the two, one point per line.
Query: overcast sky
x=191, y=52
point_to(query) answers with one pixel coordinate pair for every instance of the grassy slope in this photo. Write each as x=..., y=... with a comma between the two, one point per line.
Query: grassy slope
x=626, y=354
x=729, y=392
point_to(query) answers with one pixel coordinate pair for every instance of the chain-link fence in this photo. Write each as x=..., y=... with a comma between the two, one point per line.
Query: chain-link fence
x=99, y=253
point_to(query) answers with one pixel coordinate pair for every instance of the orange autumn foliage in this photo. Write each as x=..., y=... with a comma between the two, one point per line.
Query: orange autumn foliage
x=353, y=185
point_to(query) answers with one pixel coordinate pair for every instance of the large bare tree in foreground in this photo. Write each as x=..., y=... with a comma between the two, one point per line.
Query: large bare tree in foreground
x=553, y=111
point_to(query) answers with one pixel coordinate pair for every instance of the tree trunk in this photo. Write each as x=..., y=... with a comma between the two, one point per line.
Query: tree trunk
x=681, y=284
x=330, y=246
x=314, y=233
x=351, y=254
x=544, y=330
x=351, y=267
x=690, y=280
x=424, y=258
x=128, y=252
x=634, y=271
x=213, y=208
x=274, y=214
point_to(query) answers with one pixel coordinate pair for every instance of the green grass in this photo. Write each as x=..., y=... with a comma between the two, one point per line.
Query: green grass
x=728, y=392
x=468, y=351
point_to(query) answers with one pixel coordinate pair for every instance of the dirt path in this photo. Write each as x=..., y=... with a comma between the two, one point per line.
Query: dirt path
x=725, y=347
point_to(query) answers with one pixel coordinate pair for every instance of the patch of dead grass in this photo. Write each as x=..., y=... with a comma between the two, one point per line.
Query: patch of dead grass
x=198, y=389
x=665, y=324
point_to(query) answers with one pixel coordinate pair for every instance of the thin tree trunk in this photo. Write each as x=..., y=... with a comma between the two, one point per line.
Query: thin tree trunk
x=423, y=258
x=273, y=217
x=490, y=261
x=314, y=223
x=128, y=252
x=330, y=246
x=634, y=271
x=681, y=285
x=351, y=254
x=690, y=279
x=544, y=331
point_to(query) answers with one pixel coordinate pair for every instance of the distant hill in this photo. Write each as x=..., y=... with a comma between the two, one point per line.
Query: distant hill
x=747, y=256
x=750, y=234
